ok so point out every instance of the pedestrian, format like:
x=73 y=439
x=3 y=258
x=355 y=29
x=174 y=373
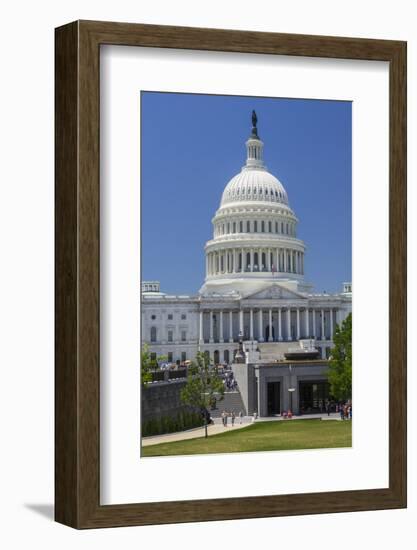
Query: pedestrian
x=223 y=421
x=226 y=414
x=342 y=412
x=233 y=418
x=240 y=417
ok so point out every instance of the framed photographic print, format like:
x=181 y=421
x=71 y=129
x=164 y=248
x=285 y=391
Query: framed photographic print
x=230 y=274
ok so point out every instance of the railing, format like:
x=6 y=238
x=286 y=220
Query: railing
x=168 y=374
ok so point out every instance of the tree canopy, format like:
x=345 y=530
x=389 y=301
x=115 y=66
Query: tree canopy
x=204 y=386
x=340 y=363
x=147 y=364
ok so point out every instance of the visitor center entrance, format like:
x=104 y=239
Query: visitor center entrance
x=274 y=398
x=313 y=396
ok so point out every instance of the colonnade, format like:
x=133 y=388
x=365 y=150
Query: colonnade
x=254 y=259
x=269 y=324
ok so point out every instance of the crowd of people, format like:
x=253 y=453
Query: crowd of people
x=345 y=410
x=231 y=414
x=229 y=381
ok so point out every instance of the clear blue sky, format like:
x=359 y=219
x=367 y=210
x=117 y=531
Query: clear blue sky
x=192 y=145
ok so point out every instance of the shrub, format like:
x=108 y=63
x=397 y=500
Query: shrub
x=184 y=420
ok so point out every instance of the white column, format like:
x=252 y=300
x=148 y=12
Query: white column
x=270 y=326
x=243 y=259
x=331 y=324
x=221 y=327
x=307 y=327
x=251 y=323
x=314 y=323
x=201 y=327
x=207 y=264
x=298 y=323
x=235 y=260
x=211 y=326
x=230 y=326
x=268 y=259
x=279 y=325
x=241 y=322
x=285 y=259
x=323 y=337
x=260 y=327
x=289 y=324
x=251 y=259
x=338 y=321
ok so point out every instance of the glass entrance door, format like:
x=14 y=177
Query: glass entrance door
x=313 y=396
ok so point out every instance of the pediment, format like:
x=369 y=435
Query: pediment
x=275 y=292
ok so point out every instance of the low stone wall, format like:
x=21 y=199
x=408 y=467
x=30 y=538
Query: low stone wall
x=162 y=399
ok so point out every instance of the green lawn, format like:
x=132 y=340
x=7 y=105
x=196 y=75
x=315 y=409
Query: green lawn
x=263 y=436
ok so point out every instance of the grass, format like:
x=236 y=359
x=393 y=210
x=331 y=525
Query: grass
x=263 y=436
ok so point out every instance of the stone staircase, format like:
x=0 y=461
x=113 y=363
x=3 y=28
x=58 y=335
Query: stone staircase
x=232 y=401
x=271 y=351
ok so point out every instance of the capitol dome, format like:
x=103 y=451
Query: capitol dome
x=254 y=231
x=254 y=184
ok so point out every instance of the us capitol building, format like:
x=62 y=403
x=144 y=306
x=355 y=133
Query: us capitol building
x=255 y=293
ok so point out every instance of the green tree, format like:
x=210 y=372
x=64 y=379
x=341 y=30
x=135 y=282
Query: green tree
x=203 y=386
x=340 y=363
x=147 y=364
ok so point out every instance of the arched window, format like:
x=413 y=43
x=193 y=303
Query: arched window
x=262 y=227
x=255 y=226
x=234 y=227
x=276 y=227
x=226 y=356
x=241 y=227
x=270 y=227
x=153 y=334
x=248 y=227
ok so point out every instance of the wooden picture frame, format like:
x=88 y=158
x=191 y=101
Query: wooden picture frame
x=77 y=403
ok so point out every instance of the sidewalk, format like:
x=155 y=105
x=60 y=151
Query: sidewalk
x=323 y=416
x=212 y=429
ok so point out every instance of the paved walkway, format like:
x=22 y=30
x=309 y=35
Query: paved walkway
x=212 y=429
